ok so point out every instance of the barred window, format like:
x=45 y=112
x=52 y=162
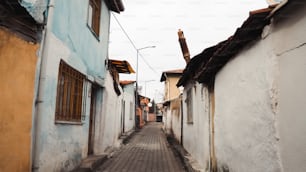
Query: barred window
x=94 y=11
x=69 y=94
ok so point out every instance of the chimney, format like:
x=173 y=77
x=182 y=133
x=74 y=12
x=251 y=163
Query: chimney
x=184 y=46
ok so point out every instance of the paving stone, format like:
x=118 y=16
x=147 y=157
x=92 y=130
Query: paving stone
x=147 y=151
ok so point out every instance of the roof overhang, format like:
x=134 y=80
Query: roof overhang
x=165 y=74
x=115 y=5
x=121 y=66
x=204 y=66
x=17 y=19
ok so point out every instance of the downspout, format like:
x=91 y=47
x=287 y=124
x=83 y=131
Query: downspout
x=213 y=160
x=39 y=98
x=182 y=119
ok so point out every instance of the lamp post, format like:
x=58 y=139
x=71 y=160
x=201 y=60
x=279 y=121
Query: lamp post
x=136 y=95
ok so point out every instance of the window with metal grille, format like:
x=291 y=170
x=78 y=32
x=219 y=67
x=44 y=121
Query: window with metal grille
x=94 y=11
x=69 y=98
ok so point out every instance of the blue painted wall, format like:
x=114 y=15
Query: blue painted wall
x=70 y=26
x=61 y=147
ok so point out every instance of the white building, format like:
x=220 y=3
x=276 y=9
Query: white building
x=248 y=93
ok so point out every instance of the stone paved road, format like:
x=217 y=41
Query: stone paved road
x=147 y=151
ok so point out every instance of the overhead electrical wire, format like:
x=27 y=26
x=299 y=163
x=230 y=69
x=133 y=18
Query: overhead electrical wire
x=133 y=44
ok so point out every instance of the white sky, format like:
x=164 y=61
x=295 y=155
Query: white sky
x=155 y=23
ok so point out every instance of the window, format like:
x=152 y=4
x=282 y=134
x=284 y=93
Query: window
x=189 y=107
x=69 y=94
x=94 y=11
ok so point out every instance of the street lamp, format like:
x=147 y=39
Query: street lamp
x=136 y=98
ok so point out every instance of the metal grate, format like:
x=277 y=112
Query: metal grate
x=69 y=94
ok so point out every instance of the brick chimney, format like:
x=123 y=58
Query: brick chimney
x=184 y=46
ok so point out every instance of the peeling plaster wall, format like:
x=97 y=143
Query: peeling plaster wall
x=196 y=135
x=290 y=47
x=18 y=60
x=58 y=146
x=129 y=98
x=175 y=107
x=260 y=107
x=61 y=147
x=246 y=94
x=36 y=8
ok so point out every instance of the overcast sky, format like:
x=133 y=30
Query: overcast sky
x=155 y=23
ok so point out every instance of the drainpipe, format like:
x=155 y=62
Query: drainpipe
x=211 y=119
x=182 y=119
x=39 y=85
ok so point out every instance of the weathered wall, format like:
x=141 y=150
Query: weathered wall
x=129 y=98
x=245 y=111
x=111 y=117
x=167 y=120
x=290 y=49
x=175 y=107
x=17 y=78
x=259 y=104
x=196 y=134
x=63 y=146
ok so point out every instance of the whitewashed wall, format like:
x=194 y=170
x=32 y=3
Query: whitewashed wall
x=167 y=120
x=175 y=107
x=290 y=49
x=244 y=119
x=129 y=98
x=196 y=135
x=110 y=128
x=260 y=107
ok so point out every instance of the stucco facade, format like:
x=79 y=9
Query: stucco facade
x=196 y=132
x=18 y=59
x=128 y=113
x=255 y=101
x=259 y=102
x=68 y=38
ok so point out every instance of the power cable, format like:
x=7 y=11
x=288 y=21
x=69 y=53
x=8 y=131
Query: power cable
x=133 y=44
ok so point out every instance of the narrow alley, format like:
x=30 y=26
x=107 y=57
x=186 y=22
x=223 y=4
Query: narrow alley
x=148 y=150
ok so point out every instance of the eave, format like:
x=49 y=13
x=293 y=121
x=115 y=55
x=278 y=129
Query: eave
x=204 y=66
x=115 y=5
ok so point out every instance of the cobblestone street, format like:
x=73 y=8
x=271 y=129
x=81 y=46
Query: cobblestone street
x=147 y=151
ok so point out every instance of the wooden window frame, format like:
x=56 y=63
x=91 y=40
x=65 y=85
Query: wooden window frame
x=70 y=93
x=94 y=15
